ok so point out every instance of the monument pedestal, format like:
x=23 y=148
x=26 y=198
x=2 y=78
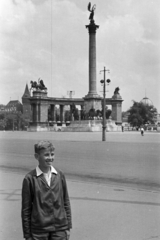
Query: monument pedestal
x=111 y=126
x=84 y=126
x=91 y=126
x=92 y=103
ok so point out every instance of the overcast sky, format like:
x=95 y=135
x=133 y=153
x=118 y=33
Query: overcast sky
x=48 y=39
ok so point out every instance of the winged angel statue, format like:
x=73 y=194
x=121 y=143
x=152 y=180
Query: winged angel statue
x=91 y=10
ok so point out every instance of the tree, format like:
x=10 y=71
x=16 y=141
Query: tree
x=13 y=121
x=141 y=113
x=2 y=121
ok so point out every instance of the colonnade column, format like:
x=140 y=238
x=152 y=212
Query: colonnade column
x=79 y=112
x=71 y=115
x=62 y=117
x=36 y=112
x=33 y=112
x=82 y=112
x=53 y=113
x=39 y=113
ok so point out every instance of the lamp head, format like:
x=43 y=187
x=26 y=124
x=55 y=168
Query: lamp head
x=102 y=81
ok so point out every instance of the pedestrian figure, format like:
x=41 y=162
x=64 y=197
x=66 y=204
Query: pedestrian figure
x=46 y=211
x=142 y=131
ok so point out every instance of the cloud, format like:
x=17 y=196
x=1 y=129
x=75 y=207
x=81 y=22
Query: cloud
x=48 y=39
x=15 y=14
x=129 y=40
x=148 y=14
x=37 y=42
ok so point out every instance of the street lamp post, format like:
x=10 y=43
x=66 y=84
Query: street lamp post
x=104 y=103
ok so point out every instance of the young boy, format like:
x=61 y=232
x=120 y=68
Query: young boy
x=46 y=212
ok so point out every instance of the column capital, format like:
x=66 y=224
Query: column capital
x=92 y=27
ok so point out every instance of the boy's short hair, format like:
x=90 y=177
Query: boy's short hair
x=41 y=145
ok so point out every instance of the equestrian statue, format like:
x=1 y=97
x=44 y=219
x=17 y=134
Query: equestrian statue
x=38 y=85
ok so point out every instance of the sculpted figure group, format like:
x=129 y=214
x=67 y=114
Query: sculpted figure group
x=38 y=85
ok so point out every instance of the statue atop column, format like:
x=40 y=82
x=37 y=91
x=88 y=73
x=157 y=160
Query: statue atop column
x=38 y=85
x=91 y=10
x=116 y=94
x=116 y=91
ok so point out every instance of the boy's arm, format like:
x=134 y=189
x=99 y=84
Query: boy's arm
x=67 y=205
x=26 y=208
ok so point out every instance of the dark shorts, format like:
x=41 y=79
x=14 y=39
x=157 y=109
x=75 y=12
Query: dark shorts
x=61 y=235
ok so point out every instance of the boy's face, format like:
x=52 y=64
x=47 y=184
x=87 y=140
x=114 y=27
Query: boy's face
x=45 y=158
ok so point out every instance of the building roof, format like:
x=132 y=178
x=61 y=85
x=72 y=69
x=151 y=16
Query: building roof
x=26 y=92
x=147 y=101
x=13 y=103
x=2 y=107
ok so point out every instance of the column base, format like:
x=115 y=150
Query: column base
x=92 y=96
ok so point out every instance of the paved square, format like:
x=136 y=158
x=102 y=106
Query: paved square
x=113 y=185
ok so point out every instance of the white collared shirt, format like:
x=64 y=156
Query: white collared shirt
x=46 y=175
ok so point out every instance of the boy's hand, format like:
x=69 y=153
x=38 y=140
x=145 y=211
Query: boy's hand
x=68 y=234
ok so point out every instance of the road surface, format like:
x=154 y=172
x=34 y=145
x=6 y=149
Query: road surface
x=114 y=185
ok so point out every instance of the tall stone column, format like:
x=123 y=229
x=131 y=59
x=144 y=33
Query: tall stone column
x=92 y=27
x=92 y=99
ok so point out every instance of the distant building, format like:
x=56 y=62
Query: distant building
x=2 y=108
x=147 y=101
x=13 y=106
x=157 y=119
